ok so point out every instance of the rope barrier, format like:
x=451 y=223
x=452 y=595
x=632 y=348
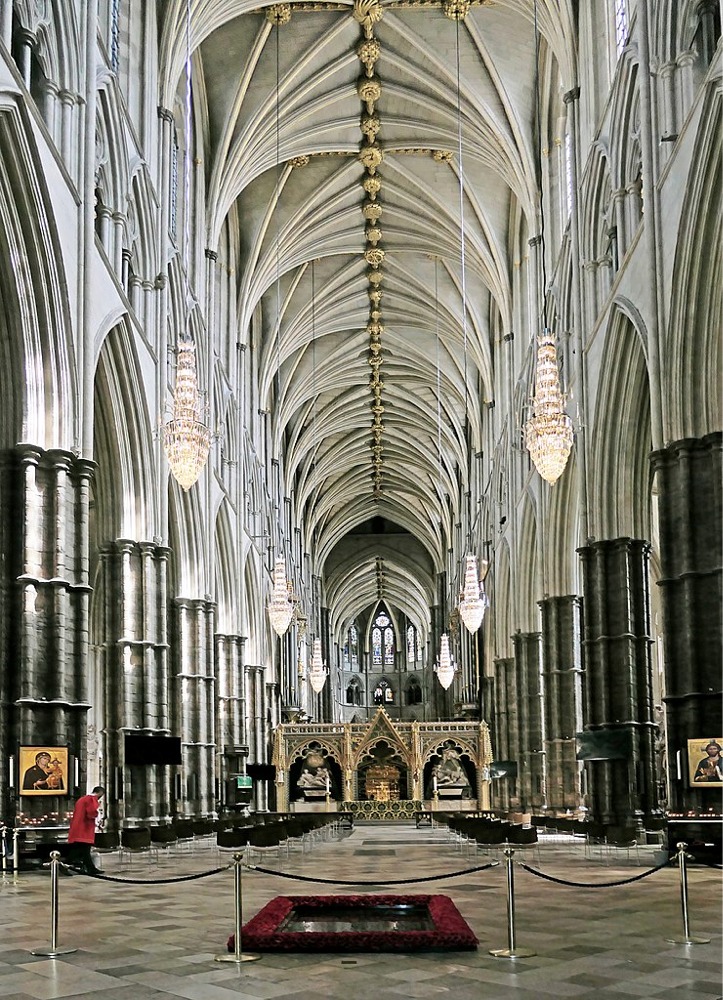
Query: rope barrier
x=592 y=885
x=402 y=881
x=147 y=881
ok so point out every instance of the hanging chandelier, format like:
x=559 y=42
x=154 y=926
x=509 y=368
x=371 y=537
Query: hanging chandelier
x=186 y=439
x=548 y=433
x=444 y=668
x=473 y=600
x=317 y=669
x=281 y=609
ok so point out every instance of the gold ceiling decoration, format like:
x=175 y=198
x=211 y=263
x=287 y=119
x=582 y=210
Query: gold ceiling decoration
x=369 y=88
x=278 y=14
x=372 y=212
x=442 y=155
x=367 y=13
x=456 y=10
x=299 y=161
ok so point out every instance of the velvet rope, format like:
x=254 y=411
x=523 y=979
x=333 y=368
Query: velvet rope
x=146 y=881
x=593 y=885
x=399 y=881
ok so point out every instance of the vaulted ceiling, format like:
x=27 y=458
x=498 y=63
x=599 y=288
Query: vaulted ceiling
x=308 y=121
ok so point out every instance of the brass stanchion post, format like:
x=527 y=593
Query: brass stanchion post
x=511 y=951
x=16 y=851
x=237 y=955
x=4 y=834
x=53 y=951
x=688 y=938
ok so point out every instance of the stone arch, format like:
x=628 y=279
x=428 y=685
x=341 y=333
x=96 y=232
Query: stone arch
x=694 y=346
x=501 y=602
x=36 y=353
x=122 y=446
x=620 y=442
x=226 y=569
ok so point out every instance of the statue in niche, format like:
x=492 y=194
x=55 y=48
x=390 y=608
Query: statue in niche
x=448 y=776
x=315 y=778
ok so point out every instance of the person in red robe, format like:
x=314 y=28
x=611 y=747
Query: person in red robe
x=81 y=834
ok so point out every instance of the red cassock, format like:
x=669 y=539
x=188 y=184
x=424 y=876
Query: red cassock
x=82 y=825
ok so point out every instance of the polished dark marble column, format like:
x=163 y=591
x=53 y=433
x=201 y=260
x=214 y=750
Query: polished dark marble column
x=500 y=733
x=132 y=593
x=618 y=680
x=194 y=702
x=562 y=686
x=44 y=613
x=531 y=761
x=690 y=516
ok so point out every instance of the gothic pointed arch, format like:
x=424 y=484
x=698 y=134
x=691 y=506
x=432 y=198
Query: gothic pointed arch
x=619 y=468
x=694 y=342
x=37 y=359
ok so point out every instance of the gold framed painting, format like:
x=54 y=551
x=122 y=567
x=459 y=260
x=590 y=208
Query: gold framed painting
x=705 y=763
x=43 y=770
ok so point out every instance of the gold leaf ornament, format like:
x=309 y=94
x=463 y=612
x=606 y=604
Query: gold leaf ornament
x=367 y=13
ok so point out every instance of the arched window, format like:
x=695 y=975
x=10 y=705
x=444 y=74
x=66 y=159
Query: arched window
x=383 y=694
x=414 y=692
x=621 y=25
x=382 y=641
x=352 y=642
x=353 y=693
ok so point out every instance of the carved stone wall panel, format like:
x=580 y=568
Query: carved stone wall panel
x=350 y=744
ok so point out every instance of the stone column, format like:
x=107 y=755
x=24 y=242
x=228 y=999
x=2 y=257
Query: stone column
x=562 y=686
x=259 y=723
x=134 y=665
x=531 y=761
x=499 y=730
x=618 y=681
x=689 y=510
x=194 y=702
x=44 y=605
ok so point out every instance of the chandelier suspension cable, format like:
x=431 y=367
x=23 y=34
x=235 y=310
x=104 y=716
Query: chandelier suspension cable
x=463 y=256
x=281 y=608
x=538 y=126
x=445 y=666
x=473 y=600
x=187 y=166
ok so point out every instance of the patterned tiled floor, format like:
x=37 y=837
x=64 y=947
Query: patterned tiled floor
x=158 y=941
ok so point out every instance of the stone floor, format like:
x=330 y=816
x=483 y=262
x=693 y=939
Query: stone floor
x=137 y=942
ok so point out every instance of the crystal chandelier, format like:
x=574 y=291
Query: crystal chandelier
x=281 y=609
x=444 y=667
x=548 y=433
x=317 y=670
x=186 y=439
x=473 y=602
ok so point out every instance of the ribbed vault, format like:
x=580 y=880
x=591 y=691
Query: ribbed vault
x=285 y=158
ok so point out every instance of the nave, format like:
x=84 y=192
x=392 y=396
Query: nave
x=158 y=941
